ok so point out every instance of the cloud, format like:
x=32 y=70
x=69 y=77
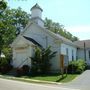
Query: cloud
x=77 y=29
x=82 y=32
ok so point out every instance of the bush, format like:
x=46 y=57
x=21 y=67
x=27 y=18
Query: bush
x=81 y=66
x=8 y=53
x=76 y=66
x=41 y=60
x=19 y=71
x=5 y=66
x=24 y=70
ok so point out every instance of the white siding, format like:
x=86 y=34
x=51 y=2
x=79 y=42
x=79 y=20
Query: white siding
x=40 y=36
x=87 y=56
x=45 y=40
x=64 y=48
x=81 y=55
x=22 y=57
x=21 y=51
x=36 y=13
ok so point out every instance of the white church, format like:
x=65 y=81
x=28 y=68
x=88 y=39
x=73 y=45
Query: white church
x=35 y=34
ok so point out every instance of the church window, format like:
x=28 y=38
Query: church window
x=72 y=55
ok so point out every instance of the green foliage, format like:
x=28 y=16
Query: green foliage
x=3 y=5
x=5 y=65
x=59 y=29
x=41 y=60
x=3 y=62
x=81 y=65
x=11 y=20
x=77 y=66
x=6 y=60
x=8 y=53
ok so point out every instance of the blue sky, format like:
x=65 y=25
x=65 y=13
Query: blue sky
x=73 y=14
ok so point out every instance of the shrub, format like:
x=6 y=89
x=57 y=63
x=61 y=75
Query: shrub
x=76 y=66
x=24 y=70
x=19 y=71
x=81 y=65
x=41 y=60
x=4 y=66
x=72 y=67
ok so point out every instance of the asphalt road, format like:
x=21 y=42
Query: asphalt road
x=82 y=82
x=17 y=85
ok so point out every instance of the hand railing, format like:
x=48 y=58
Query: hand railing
x=22 y=63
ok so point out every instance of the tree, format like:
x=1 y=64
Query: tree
x=41 y=60
x=3 y=6
x=59 y=29
x=11 y=20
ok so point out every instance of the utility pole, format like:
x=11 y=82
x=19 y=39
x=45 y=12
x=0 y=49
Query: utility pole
x=85 y=51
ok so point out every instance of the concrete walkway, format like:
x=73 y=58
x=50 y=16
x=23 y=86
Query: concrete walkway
x=82 y=82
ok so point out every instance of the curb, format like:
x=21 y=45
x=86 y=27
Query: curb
x=29 y=80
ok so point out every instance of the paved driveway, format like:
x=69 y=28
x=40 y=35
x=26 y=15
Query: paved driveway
x=82 y=82
x=17 y=85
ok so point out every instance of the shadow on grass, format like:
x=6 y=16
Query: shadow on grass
x=44 y=75
x=61 y=78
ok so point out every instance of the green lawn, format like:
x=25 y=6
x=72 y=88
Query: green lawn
x=54 y=78
x=51 y=78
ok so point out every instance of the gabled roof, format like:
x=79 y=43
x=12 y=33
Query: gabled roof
x=58 y=37
x=18 y=39
x=80 y=44
x=33 y=41
x=55 y=36
x=36 y=6
x=65 y=40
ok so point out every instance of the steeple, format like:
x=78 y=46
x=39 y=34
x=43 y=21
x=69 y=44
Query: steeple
x=36 y=6
x=36 y=15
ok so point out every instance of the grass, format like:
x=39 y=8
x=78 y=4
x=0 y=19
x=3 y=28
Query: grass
x=54 y=78
x=43 y=79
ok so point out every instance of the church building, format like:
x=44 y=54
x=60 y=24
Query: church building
x=35 y=34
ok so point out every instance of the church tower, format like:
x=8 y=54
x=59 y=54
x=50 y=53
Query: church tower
x=36 y=15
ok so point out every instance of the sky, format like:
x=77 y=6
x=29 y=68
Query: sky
x=73 y=14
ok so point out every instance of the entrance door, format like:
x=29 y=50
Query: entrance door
x=62 y=61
